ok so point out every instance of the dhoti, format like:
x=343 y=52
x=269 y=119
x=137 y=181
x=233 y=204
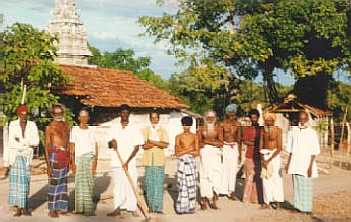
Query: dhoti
x=273 y=180
x=210 y=171
x=19 y=182
x=85 y=186
x=123 y=195
x=186 y=183
x=230 y=168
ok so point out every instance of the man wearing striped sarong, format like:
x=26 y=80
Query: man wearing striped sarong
x=23 y=137
x=58 y=158
x=303 y=147
x=84 y=152
x=187 y=148
x=156 y=140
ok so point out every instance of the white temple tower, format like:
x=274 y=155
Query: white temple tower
x=73 y=41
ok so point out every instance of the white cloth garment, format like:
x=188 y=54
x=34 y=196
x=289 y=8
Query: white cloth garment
x=25 y=144
x=302 y=144
x=123 y=195
x=210 y=170
x=84 y=141
x=127 y=138
x=273 y=190
x=229 y=168
x=153 y=133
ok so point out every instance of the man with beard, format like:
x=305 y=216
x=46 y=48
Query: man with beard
x=211 y=140
x=57 y=158
x=253 y=139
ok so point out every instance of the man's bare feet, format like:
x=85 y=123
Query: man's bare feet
x=213 y=205
x=264 y=206
x=232 y=196
x=26 y=212
x=17 y=212
x=53 y=214
x=115 y=213
x=204 y=203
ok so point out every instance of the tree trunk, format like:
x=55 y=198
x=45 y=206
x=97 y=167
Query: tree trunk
x=269 y=84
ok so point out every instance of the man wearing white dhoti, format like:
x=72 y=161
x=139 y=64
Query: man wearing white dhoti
x=127 y=140
x=23 y=137
x=211 y=140
x=273 y=192
x=303 y=147
x=231 y=151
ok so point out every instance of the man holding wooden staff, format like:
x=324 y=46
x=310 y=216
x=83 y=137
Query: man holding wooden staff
x=124 y=142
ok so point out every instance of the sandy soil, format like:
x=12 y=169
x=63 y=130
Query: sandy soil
x=332 y=201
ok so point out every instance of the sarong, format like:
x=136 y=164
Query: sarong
x=303 y=193
x=186 y=183
x=57 y=192
x=153 y=187
x=210 y=171
x=230 y=168
x=123 y=195
x=273 y=181
x=85 y=186
x=19 y=177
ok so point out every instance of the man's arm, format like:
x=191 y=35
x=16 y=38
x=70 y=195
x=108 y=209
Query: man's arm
x=159 y=144
x=72 y=157
x=132 y=155
x=96 y=158
x=47 y=147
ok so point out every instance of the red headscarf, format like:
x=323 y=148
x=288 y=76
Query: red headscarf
x=22 y=109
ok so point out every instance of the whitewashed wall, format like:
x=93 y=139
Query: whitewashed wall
x=170 y=121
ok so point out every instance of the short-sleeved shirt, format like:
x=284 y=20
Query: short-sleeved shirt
x=302 y=144
x=127 y=138
x=84 y=141
x=155 y=156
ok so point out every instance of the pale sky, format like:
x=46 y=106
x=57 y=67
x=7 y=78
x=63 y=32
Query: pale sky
x=110 y=24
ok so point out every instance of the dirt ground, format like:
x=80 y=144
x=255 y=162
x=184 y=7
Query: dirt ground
x=332 y=201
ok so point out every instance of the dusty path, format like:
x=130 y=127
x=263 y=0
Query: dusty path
x=332 y=202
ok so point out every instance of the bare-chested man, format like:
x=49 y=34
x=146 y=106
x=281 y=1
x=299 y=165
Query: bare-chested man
x=187 y=148
x=271 y=175
x=211 y=141
x=231 y=151
x=58 y=158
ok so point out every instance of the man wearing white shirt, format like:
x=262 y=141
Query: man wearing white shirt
x=303 y=147
x=125 y=139
x=84 y=155
x=23 y=137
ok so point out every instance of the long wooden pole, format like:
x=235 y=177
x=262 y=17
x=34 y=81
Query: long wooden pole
x=332 y=132
x=140 y=202
x=348 y=138
x=342 y=129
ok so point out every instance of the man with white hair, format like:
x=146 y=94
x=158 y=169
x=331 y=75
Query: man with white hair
x=231 y=151
x=303 y=147
x=271 y=162
x=211 y=141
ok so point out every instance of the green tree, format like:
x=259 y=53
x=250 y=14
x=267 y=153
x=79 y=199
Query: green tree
x=125 y=59
x=27 y=61
x=252 y=37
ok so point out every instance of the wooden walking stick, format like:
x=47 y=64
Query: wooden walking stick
x=140 y=201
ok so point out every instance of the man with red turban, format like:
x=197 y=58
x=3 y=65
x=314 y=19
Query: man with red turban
x=23 y=138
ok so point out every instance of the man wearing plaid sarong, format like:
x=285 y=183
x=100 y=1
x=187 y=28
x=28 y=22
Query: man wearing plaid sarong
x=23 y=137
x=84 y=150
x=303 y=147
x=156 y=140
x=187 y=147
x=57 y=157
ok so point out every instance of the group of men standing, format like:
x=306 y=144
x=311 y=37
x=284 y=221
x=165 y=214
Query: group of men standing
x=218 y=144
